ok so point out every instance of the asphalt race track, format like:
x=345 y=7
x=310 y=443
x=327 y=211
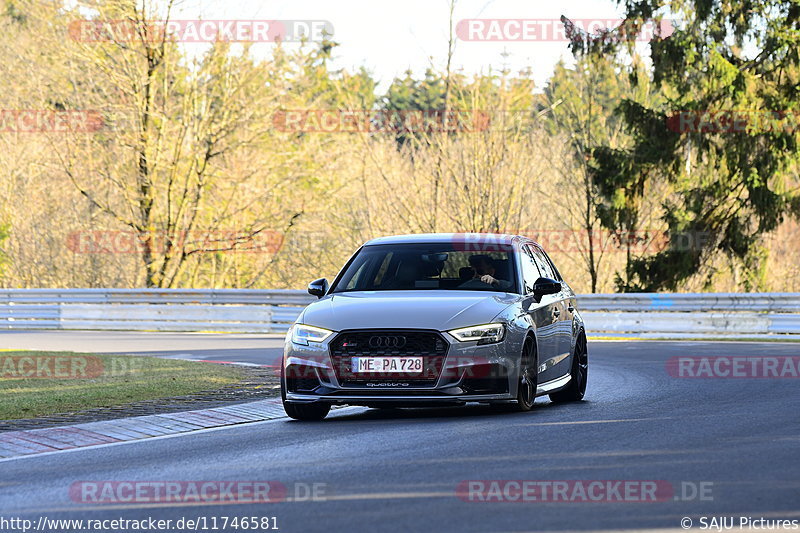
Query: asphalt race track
x=727 y=447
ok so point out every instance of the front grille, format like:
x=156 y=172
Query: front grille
x=428 y=344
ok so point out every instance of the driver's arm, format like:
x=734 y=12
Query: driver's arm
x=496 y=283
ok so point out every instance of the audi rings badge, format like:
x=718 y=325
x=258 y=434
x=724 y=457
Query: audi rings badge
x=387 y=341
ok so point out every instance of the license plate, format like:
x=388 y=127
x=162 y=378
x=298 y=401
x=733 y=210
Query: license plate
x=405 y=365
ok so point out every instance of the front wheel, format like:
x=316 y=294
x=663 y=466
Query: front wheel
x=302 y=411
x=578 y=375
x=308 y=411
x=528 y=377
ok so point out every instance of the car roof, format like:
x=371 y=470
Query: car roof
x=427 y=238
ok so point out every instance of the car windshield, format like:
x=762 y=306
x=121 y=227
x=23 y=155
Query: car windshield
x=398 y=267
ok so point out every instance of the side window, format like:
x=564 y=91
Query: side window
x=530 y=272
x=553 y=266
x=543 y=263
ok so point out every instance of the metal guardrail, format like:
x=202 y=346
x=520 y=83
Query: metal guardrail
x=693 y=314
x=273 y=311
x=764 y=302
x=235 y=310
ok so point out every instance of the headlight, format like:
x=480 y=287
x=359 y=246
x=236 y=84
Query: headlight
x=486 y=334
x=302 y=334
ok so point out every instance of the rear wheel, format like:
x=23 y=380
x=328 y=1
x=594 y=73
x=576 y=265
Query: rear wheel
x=528 y=377
x=578 y=375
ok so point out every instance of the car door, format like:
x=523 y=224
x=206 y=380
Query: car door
x=570 y=300
x=543 y=314
x=563 y=310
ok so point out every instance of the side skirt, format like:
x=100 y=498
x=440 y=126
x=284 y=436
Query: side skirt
x=554 y=384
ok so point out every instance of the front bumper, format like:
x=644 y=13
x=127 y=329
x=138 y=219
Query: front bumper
x=469 y=373
x=392 y=399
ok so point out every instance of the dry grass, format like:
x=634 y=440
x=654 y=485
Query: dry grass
x=93 y=380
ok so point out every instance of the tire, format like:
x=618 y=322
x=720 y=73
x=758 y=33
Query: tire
x=528 y=377
x=302 y=411
x=308 y=411
x=579 y=373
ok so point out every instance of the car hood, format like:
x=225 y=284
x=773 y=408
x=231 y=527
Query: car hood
x=440 y=310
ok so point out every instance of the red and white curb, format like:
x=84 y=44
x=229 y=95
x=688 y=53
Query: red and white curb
x=36 y=441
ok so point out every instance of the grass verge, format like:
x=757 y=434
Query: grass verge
x=35 y=384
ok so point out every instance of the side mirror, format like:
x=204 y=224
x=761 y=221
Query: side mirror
x=544 y=286
x=318 y=287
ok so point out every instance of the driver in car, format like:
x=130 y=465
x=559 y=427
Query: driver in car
x=485 y=273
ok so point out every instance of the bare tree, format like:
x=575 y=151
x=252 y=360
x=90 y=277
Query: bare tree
x=185 y=163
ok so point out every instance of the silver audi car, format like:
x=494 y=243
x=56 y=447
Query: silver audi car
x=437 y=319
